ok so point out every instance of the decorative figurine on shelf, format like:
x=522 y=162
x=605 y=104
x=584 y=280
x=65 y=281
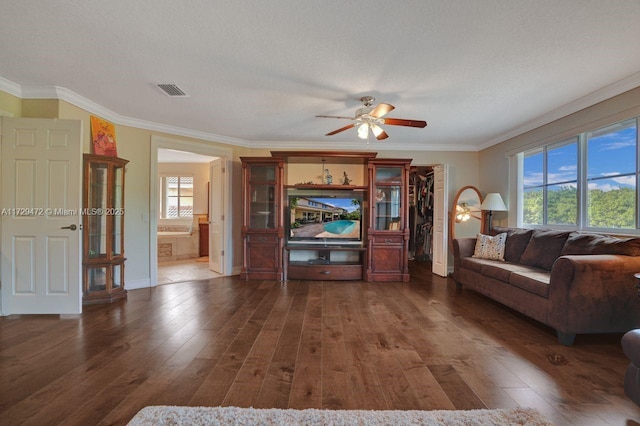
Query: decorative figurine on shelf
x=329 y=178
x=345 y=179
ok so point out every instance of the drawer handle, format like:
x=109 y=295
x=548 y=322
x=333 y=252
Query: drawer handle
x=263 y=239
x=387 y=240
x=326 y=272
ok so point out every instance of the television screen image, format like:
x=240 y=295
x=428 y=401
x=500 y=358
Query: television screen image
x=315 y=218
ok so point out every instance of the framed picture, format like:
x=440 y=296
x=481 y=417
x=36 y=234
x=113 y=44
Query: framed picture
x=394 y=226
x=103 y=137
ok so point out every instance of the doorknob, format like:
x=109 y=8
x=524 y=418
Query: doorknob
x=73 y=227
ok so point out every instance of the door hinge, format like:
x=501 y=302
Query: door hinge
x=222 y=217
x=222 y=253
x=224 y=170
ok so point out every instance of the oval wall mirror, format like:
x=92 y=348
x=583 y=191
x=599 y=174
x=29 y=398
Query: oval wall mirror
x=465 y=219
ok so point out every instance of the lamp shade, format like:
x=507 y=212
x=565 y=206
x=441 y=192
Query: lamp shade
x=363 y=131
x=493 y=202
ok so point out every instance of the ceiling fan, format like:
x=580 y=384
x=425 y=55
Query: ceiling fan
x=370 y=118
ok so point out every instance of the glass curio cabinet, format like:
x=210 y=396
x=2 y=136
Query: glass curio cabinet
x=388 y=229
x=103 y=229
x=262 y=227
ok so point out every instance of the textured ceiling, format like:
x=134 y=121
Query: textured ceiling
x=257 y=72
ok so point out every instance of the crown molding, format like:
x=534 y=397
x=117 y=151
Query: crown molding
x=10 y=87
x=64 y=94
x=607 y=92
x=181 y=131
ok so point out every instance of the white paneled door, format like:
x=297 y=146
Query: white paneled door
x=440 y=264
x=41 y=187
x=216 y=215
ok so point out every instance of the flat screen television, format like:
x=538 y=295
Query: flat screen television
x=328 y=217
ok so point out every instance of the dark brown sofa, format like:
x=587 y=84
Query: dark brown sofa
x=631 y=348
x=577 y=283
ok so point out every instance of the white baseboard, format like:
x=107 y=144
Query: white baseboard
x=236 y=270
x=136 y=284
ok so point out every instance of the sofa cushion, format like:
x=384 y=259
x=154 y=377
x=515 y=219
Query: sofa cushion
x=544 y=248
x=533 y=281
x=475 y=264
x=490 y=247
x=517 y=240
x=579 y=243
x=502 y=270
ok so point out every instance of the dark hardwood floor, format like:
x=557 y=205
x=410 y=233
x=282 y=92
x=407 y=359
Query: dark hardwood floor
x=300 y=344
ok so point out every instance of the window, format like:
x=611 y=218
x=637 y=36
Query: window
x=587 y=182
x=176 y=196
x=550 y=185
x=611 y=176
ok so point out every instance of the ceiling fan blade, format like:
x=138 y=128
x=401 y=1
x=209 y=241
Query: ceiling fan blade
x=342 y=129
x=403 y=122
x=333 y=116
x=382 y=135
x=381 y=110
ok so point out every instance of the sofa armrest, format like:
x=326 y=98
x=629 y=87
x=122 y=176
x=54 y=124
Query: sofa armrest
x=594 y=294
x=463 y=247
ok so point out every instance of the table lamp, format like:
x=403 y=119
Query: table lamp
x=493 y=203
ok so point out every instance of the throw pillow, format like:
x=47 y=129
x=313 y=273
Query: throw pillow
x=488 y=247
x=517 y=240
x=579 y=243
x=544 y=248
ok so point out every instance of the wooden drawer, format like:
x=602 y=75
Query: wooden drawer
x=388 y=239
x=325 y=272
x=262 y=238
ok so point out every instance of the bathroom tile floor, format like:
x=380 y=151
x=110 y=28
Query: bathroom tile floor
x=184 y=270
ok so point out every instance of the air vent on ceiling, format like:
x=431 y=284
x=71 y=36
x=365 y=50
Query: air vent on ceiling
x=171 y=89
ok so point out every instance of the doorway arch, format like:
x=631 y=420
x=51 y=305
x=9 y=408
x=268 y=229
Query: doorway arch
x=225 y=154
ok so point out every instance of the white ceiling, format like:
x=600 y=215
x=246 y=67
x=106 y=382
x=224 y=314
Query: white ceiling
x=257 y=72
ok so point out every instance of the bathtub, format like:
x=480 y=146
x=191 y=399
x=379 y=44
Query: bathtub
x=178 y=245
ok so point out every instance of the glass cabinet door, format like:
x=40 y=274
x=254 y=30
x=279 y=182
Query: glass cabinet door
x=388 y=198
x=117 y=280
x=389 y=175
x=118 y=211
x=263 y=206
x=97 y=203
x=263 y=173
x=97 y=279
x=262 y=196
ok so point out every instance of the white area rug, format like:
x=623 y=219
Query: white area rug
x=166 y=415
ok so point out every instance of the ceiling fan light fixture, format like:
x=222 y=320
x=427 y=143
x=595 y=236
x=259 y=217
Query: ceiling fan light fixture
x=363 y=131
x=464 y=213
x=377 y=130
x=370 y=118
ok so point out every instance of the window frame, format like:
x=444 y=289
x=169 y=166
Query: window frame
x=164 y=195
x=544 y=150
x=582 y=182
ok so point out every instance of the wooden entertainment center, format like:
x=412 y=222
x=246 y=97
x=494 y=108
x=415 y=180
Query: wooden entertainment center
x=377 y=245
